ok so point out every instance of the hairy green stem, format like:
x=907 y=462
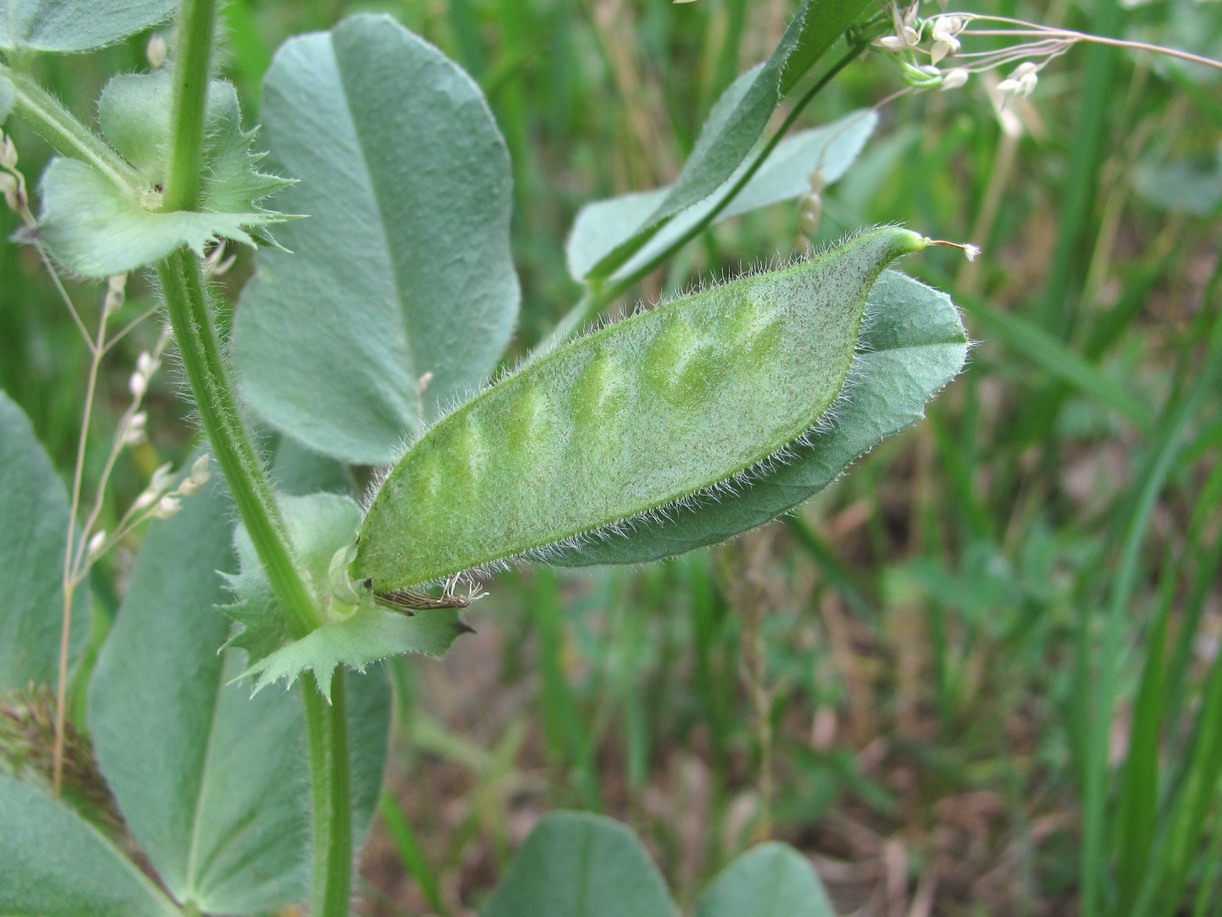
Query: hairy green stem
x=191 y=318
x=190 y=99
x=600 y=293
x=65 y=132
x=330 y=799
x=195 y=332
x=182 y=287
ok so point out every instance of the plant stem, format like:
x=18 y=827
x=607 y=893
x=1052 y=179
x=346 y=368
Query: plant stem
x=70 y=576
x=186 y=300
x=1034 y=29
x=329 y=790
x=190 y=99
x=64 y=131
x=199 y=345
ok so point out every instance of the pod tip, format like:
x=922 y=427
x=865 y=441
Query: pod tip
x=970 y=250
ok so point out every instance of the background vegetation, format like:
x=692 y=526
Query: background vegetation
x=978 y=675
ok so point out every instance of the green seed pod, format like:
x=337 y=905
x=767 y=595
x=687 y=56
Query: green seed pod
x=629 y=421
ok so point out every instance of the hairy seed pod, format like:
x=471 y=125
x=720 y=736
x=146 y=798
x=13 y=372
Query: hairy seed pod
x=627 y=421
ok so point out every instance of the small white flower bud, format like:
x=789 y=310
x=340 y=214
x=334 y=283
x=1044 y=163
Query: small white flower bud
x=906 y=35
x=157 y=486
x=1021 y=82
x=14 y=192
x=138 y=384
x=953 y=79
x=197 y=478
x=96 y=545
x=817 y=180
x=161 y=478
x=146 y=364
x=135 y=431
x=8 y=152
x=200 y=468
x=943 y=49
x=167 y=507
x=812 y=211
x=156 y=51
x=945 y=28
x=116 y=293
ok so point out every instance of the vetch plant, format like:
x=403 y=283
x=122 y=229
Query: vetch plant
x=371 y=322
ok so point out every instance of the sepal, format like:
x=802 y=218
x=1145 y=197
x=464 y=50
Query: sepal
x=97 y=228
x=355 y=631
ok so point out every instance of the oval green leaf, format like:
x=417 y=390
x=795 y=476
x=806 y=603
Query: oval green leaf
x=211 y=781
x=575 y=864
x=602 y=225
x=771 y=880
x=55 y=864
x=34 y=507
x=1192 y=186
x=401 y=294
x=76 y=25
x=632 y=421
